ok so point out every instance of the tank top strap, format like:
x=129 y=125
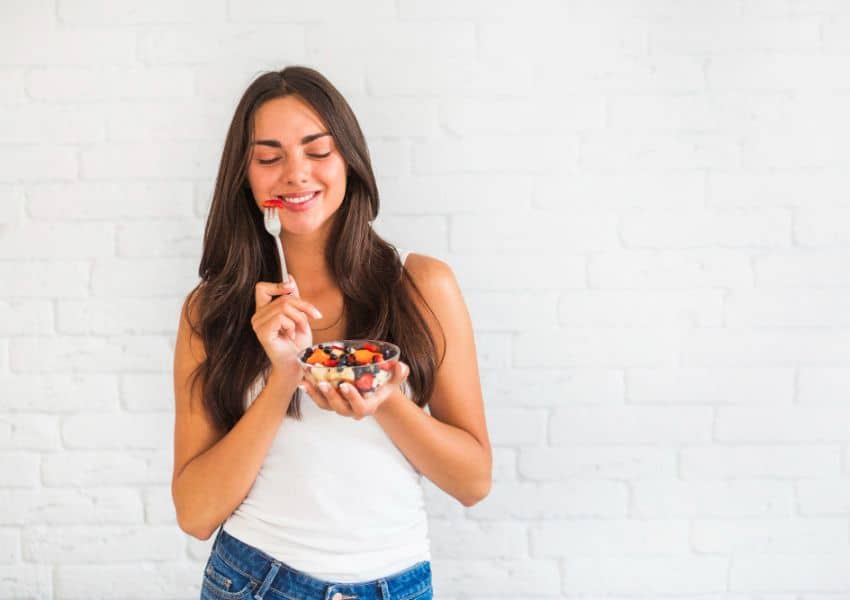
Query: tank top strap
x=403 y=255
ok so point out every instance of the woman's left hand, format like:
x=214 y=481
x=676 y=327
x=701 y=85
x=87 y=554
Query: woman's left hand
x=347 y=400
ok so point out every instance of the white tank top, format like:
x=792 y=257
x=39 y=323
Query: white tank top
x=335 y=498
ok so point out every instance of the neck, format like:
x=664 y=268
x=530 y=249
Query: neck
x=305 y=261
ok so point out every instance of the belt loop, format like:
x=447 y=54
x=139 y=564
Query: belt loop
x=267 y=582
x=384 y=588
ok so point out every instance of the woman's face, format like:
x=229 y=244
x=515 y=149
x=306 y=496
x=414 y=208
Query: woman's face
x=291 y=157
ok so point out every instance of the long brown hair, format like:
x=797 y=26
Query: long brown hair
x=237 y=253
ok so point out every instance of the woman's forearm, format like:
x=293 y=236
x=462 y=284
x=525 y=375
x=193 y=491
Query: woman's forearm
x=213 y=484
x=448 y=456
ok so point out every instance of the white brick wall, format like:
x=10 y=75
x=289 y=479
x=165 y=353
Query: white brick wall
x=646 y=202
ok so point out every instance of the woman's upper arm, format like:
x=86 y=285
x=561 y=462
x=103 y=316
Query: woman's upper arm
x=194 y=431
x=457 y=398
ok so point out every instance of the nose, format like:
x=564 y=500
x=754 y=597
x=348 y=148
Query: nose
x=296 y=168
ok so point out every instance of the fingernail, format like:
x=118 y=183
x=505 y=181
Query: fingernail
x=302 y=387
x=324 y=386
x=345 y=387
x=316 y=313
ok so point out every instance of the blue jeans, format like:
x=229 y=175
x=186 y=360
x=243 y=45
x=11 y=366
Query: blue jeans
x=237 y=571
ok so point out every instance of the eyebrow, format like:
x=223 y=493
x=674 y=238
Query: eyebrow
x=305 y=140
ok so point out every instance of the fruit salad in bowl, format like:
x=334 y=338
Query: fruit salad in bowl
x=365 y=364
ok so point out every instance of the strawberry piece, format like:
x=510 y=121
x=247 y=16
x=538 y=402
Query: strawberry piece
x=273 y=203
x=364 y=382
x=370 y=347
x=330 y=363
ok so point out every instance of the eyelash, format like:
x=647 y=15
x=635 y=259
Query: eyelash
x=268 y=162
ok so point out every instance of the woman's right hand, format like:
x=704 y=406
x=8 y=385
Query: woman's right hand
x=280 y=323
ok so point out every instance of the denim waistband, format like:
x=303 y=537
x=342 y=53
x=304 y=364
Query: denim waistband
x=270 y=573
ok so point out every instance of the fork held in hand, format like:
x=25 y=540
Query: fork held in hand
x=272 y=224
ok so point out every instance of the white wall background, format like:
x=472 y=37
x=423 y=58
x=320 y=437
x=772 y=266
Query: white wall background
x=647 y=205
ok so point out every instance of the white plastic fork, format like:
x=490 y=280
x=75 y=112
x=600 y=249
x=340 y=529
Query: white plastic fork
x=272 y=224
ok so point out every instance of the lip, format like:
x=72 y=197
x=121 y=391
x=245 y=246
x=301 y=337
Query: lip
x=303 y=205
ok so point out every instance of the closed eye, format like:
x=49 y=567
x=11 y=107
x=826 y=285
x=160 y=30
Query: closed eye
x=268 y=162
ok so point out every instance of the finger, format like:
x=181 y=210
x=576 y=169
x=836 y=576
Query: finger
x=314 y=394
x=265 y=291
x=360 y=405
x=280 y=302
x=337 y=402
x=400 y=373
x=269 y=328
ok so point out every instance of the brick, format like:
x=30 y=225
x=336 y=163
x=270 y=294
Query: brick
x=781 y=308
x=174 y=160
x=84 y=544
x=107 y=201
x=765 y=229
x=471 y=540
x=824 y=497
x=823 y=385
x=483 y=153
x=647 y=574
x=191 y=44
x=819 y=268
x=551 y=387
x=621 y=191
x=71 y=507
x=742 y=347
x=711 y=386
x=445 y=40
x=105 y=316
x=29 y=432
x=144 y=277
x=394 y=118
x=22 y=317
x=509 y=427
x=161 y=238
x=105 y=467
x=125 y=83
x=67 y=47
x=596 y=462
x=118 y=430
x=390 y=157
x=597 y=347
x=751 y=498
x=803 y=536
x=466 y=78
x=548 y=501
x=774 y=572
x=159 y=506
x=184 y=120
x=593 y=425
x=663 y=151
x=172 y=579
x=518 y=117
x=19 y=469
x=817 y=228
x=752 y=72
x=609 y=537
x=269 y=11
x=459 y=193
x=145 y=392
x=823 y=187
x=502 y=578
x=101 y=355
x=26 y=163
x=531 y=233
x=61 y=124
x=669 y=269
x=427 y=234
x=60 y=393
x=642 y=308
x=511 y=311
x=58 y=240
x=783 y=424
x=775 y=461
x=92 y=12
x=27 y=581
x=736 y=36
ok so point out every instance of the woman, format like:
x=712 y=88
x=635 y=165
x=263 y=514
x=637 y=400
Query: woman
x=316 y=493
